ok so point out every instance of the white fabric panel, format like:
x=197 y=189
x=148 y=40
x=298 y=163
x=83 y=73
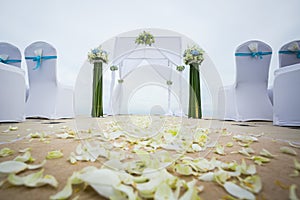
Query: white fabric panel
x=166 y=74
x=127 y=66
x=247 y=99
x=12 y=52
x=286 y=96
x=112 y=86
x=135 y=82
x=288 y=59
x=12 y=94
x=47 y=98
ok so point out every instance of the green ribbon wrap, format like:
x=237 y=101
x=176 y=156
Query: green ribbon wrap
x=195 y=92
x=97 y=104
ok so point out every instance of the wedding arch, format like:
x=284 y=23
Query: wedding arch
x=163 y=57
x=133 y=67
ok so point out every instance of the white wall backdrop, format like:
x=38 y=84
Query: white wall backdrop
x=219 y=26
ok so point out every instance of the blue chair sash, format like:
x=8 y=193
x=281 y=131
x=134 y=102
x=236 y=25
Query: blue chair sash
x=38 y=60
x=9 y=61
x=258 y=54
x=291 y=52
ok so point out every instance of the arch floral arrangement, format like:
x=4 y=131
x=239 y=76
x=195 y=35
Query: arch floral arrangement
x=145 y=38
x=194 y=56
x=97 y=56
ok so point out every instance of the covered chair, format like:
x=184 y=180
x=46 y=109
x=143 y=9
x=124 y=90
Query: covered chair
x=247 y=99
x=286 y=92
x=10 y=54
x=289 y=54
x=12 y=84
x=12 y=93
x=47 y=97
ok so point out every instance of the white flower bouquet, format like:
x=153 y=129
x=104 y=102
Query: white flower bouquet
x=192 y=55
x=97 y=54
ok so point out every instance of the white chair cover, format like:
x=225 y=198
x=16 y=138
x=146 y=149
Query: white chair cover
x=247 y=99
x=12 y=94
x=12 y=53
x=286 y=93
x=289 y=54
x=47 y=98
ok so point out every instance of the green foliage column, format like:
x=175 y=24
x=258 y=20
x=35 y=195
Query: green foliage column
x=97 y=105
x=195 y=92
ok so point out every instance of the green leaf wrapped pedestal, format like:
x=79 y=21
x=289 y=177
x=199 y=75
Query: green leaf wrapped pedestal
x=97 y=104
x=195 y=93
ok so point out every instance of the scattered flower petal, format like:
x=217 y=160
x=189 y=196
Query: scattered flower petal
x=209 y=176
x=297 y=164
x=6 y=152
x=65 y=135
x=252 y=183
x=54 y=154
x=295 y=173
x=292 y=194
x=25 y=150
x=245 y=138
x=33 y=180
x=288 y=150
x=260 y=160
x=229 y=144
x=266 y=154
x=26 y=157
x=237 y=191
x=246 y=151
x=37 y=166
x=8 y=167
x=164 y=191
x=13 y=128
x=183 y=169
x=220 y=150
x=191 y=192
x=294 y=144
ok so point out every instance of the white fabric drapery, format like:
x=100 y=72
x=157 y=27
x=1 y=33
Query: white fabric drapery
x=128 y=56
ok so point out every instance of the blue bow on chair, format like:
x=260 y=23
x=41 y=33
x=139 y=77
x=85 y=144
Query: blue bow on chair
x=258 y=54
x=3 y=59
x=38 y=59
x=297 y=52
